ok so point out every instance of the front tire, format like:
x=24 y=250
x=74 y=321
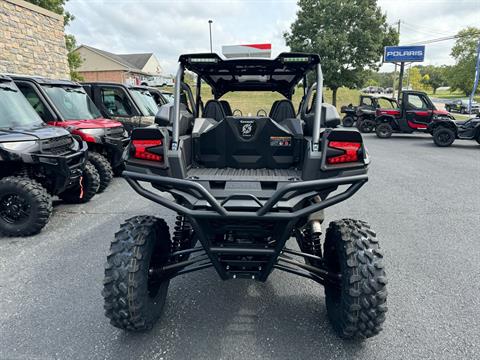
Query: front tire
x=25 y=206
x=384 y=130
x=85 y=190
x=357 y=307
x=443 y=136
x=134 y=297
x=103 y=168
x=348 y=121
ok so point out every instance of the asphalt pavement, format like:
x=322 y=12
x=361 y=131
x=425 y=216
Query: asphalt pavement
x=423 y=201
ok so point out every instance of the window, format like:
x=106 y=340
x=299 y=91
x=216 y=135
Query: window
x=366 y=101
x=72 y=102
x=116 y=102
x=415 y=102
x=34 y=100
x=386 y=104
x=15 y=110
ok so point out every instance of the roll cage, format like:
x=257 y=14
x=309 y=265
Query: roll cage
x=280 y=75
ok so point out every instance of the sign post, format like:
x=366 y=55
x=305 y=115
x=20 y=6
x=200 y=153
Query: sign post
x=401 y=55
x=477 y=77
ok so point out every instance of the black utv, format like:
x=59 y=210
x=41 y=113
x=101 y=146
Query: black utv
x=363 y=115
x=242 y=186
x=36 y=162
x=445 y=131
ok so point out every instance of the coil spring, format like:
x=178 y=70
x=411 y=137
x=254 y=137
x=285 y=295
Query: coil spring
x=182 y=234
x=312 y=243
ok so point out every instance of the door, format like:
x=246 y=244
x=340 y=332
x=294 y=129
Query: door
x=37 y=101
x=418 y=112
x=115 y=103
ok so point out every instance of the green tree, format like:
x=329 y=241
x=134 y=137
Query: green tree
x=58 y=7
x=461 y=75
x=349 y=36
x=433 y=76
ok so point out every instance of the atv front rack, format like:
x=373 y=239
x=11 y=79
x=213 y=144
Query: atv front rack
x=251 y=260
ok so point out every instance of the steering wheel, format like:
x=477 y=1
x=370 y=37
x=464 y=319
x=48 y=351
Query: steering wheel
x=259 y=112
x=237 y=112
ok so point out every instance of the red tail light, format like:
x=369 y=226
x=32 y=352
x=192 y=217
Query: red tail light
x=141 y=149
x=350 y=150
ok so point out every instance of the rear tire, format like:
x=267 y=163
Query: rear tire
x=84 y=191
x=443 y=136
x=117 y=171
x=103 y=168
x=384 y=130
x=134 y=299
x=357 y=307
x=348 y=121
x=366 y=126
x=25 y=206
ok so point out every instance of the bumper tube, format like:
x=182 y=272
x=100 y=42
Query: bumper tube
x=264 y=212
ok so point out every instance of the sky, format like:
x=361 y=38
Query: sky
x=170 y=28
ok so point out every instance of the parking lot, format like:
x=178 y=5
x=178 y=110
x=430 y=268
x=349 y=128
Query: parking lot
x=422 y=200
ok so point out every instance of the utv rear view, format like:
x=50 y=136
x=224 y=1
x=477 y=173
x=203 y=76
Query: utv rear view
x=242 y=186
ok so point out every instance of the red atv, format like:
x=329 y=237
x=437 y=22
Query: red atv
x=64 y=103
x=414 y=114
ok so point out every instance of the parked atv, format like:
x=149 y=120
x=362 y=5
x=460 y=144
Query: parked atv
x=133 y=106
x=65 y=104
x=242 y=187
x=363 y=115
x=445 y=132
x=36 y=162
x=415 y=113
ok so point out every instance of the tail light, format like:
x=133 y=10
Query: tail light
x=148 y=150
x=348 y=152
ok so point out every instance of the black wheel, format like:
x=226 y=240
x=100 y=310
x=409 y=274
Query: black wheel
x=478 y=138
x=463 y=110
x=447 y=108
x=103 y=168
x=366 y=126
x=134 y=291
x=25 y=206
x=443 y=136
x=348 y=121
x=356 y=308
x=85 y=189
x=384 y=130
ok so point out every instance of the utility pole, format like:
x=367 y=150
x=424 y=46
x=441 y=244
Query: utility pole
x=476 y=79
x=395 y=72
x=210 y=28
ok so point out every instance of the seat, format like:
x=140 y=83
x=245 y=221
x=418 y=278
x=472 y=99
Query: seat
x=226 y=107
x=273 y=108
x=214 y=110
x=282 y=110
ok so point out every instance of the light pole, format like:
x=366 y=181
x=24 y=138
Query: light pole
x=210 y=28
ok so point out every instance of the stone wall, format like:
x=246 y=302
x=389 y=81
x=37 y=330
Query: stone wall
x=32 y=40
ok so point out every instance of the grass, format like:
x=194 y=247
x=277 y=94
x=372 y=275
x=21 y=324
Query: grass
x=445 y=94
x=251 y=102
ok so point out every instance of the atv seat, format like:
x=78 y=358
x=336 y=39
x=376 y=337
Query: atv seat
x=214 y=110
x=246 y=143
x=226 y=107
x=281 y=110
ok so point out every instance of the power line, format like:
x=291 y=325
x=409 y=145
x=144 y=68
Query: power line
x=445 y=38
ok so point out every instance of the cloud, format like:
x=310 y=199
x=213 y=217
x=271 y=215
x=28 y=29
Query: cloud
x=170 y=28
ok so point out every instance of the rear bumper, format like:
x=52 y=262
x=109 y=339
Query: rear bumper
x=264 y=209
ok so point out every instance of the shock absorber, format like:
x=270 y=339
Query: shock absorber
x=314 y=231
x=182 y=234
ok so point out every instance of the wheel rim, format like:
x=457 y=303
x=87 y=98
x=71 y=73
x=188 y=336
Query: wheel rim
x=384 y=131
x=444 y=137
x=15 y=208
x=367 y=126
x=156 y=277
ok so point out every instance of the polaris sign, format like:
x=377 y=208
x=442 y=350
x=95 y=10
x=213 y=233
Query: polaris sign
x=404 y=53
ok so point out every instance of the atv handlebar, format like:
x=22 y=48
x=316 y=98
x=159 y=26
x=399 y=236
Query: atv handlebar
x=264 y=211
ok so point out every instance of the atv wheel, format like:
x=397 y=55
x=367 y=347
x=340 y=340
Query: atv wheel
x=384 y=130
x=103 y=168
x=25 y=206
x=133 y=291
x=447 y=108
x=347 y=121
x=356 y=308
x=443 y=136
x=366 y=126
x=85 y=189
x=478 y=138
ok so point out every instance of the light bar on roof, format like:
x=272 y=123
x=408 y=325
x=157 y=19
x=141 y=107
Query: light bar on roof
x=296 y=59
x=202 y=60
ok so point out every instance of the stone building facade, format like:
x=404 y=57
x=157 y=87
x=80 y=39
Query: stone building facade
x=32 y=40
